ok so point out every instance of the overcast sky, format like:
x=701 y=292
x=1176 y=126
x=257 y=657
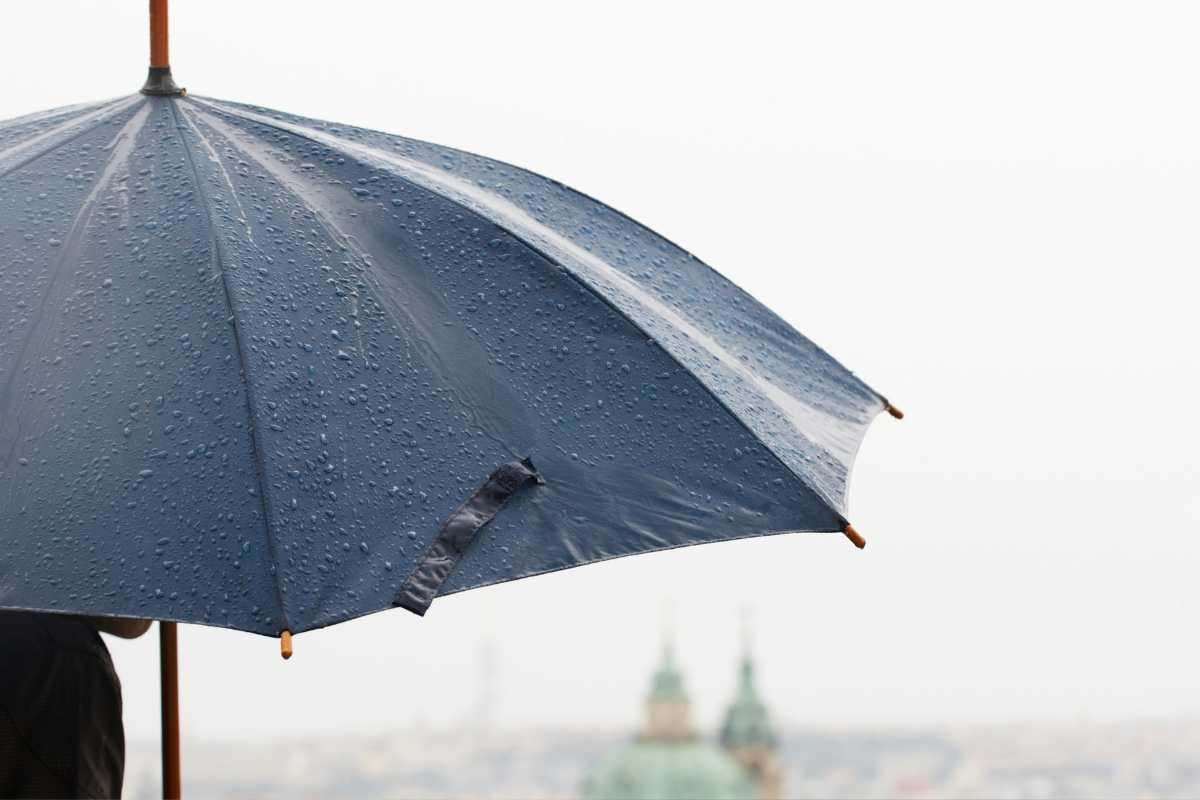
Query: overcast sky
x=989 y=211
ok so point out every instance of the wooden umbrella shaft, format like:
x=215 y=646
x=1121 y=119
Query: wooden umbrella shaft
x=158 y=78
x=159 y=50
x=169 y=672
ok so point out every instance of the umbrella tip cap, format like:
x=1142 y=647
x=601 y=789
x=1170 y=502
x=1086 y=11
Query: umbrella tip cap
x=854 y=536
x=895 y=412
x=285 y=645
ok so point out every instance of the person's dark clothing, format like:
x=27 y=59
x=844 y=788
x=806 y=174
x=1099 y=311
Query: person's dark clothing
x=61 y=733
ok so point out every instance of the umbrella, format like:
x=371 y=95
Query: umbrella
x=272 y=373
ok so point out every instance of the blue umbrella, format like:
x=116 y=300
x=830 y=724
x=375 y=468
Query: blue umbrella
x=272 y=373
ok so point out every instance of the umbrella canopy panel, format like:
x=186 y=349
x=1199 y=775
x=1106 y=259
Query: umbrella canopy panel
x=127 y=473
x=251 y=363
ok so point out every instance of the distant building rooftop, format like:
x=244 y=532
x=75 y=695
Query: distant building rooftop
x=668 y=760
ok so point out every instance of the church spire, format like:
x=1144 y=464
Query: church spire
x=668 y=710
x=667 y=683
x=747 y=732
x=747 y=722
x=747 y=674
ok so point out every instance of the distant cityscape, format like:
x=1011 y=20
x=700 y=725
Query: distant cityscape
x=750 y=756
x=1122 y=761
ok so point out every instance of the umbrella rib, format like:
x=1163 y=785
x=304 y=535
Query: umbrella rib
x=48 y=114
x=103 y=113
x=120 y=146
x=325 y=222
x=256 y=443
x=357 y=152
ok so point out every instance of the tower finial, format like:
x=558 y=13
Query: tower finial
x=668 y=714
x=668 y=632
x=747 y=670
x=746 y=614
x=746 y=731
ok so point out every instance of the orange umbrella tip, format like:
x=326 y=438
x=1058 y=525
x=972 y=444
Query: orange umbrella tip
x=285 y=645
x=891 y=409
x=854 y=536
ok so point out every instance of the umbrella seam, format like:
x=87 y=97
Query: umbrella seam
x=238 y=106
x=77 y=229
x=240 y=110
x=256 y=437
x=330 y=228
x=59 y=112
x=98 y=110
x=830 y=503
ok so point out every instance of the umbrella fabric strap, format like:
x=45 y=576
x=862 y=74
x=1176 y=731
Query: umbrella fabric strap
x=459 y=531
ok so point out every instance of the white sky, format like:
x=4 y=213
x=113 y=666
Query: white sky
x=989 y=211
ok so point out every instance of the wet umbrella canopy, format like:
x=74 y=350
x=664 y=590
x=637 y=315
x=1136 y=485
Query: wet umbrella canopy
x=272 y=373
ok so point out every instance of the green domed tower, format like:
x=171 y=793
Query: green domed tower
x=748 y=735
x=668 y=761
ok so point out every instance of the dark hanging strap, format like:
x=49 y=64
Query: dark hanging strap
x=458 y=532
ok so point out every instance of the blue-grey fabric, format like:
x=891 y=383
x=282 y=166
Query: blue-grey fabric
x=250 y=363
